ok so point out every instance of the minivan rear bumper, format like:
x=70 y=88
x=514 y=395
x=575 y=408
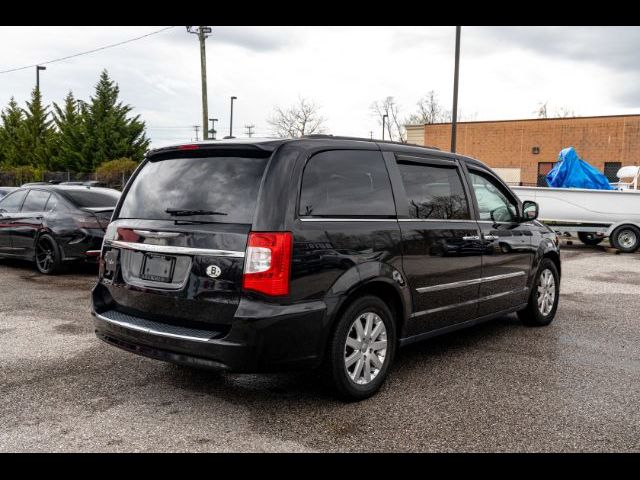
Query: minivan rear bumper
x=262 y=337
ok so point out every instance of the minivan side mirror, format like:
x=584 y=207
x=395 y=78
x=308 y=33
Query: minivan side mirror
x=529 y=211
x=501 y=214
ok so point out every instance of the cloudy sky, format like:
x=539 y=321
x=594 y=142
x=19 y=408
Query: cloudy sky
x=505 y=71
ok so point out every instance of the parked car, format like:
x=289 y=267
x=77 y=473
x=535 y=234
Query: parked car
x=203 y=263
x=4 y=191
x=54 y=224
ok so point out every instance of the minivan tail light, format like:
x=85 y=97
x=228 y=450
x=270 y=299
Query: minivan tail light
x=267 y=263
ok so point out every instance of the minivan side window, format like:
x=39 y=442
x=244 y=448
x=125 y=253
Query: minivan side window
x=12 y=202
x=493 y=203
x=346 y=183
x=434 y=191
x=36 y=201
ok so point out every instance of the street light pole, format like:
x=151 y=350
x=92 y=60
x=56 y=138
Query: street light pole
x=454 y=111
x=203 y=32
x=38 y=68
x=231 y=118
x=384 y=117
x=213 y=127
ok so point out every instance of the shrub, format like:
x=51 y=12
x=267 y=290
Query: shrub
x=116 y=172
x=16 y=176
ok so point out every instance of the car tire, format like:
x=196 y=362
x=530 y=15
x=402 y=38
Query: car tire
x=543 y=299
x=626 y=238
x=351 y=349
x=589 y=238
x=48 y=255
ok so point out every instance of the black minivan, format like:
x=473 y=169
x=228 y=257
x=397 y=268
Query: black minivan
x=320 y=252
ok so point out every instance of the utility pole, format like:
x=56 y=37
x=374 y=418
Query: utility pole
x=38 y=68
x=213 y=127
x=203 y=32
x=454 y=110
x=197 y=127
x=231 y=118
x=249 y=129
x=371 y=133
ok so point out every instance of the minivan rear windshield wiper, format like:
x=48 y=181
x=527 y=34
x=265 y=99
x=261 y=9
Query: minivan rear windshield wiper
x=178 y=212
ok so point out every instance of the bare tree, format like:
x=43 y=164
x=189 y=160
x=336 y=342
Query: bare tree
x=393 y=125
x=541 y=111
x=561 y=112
x=429 y=111
x=301 y=118
x=564 y=112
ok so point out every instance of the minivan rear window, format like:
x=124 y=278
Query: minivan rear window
x=218 y=189
x=346 y=183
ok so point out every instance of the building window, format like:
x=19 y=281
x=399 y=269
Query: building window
x=543 y=169
x=610 y=170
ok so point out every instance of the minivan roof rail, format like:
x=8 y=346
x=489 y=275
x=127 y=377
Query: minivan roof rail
x=364 y=139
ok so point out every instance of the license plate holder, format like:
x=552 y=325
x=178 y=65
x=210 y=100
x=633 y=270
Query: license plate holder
x=157 y=268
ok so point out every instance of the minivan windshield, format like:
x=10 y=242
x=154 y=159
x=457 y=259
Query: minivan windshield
x=212 y=189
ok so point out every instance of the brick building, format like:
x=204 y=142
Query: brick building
x=523 y=151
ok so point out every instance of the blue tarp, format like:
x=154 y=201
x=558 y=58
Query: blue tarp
x=572 y=172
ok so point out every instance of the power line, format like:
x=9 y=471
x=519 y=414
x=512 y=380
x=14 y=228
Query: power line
x=170 y=128
x=89 y=51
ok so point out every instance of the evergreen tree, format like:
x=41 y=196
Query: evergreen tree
x=71 y=136
x=37 y=133
x=11 y=152
x=110 y=133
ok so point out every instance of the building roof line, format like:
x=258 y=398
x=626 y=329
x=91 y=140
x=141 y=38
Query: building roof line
x=530 y=120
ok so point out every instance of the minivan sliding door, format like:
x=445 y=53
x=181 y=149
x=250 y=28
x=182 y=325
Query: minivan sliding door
x=346 y=231
x=441 y=248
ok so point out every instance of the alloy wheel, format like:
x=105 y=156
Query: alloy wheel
x=44 y=254
x=365 y=349
x=546 y=292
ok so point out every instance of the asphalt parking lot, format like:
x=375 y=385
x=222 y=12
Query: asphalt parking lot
x=573 y=386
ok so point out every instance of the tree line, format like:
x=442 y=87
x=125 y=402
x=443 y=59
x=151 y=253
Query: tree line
x=76 y=136
x=304 y=117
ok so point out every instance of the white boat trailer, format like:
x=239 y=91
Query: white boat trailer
x=592 y=214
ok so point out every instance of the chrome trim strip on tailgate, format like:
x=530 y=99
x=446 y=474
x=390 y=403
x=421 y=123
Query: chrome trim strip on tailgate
x=173 y=250
x=328 y=219
x=152 y=234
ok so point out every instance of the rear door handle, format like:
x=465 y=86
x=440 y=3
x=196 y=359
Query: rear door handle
x=471 y=237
